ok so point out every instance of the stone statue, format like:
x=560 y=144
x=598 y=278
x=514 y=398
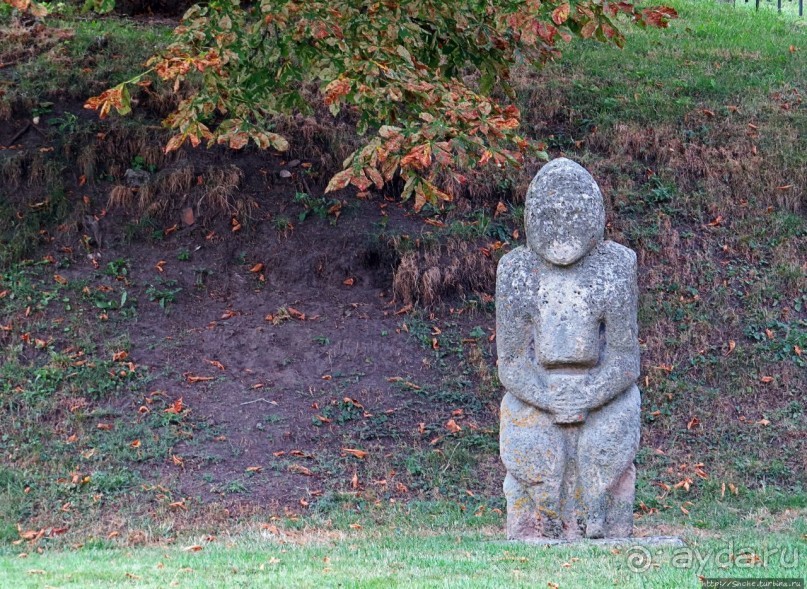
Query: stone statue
x=566 y=331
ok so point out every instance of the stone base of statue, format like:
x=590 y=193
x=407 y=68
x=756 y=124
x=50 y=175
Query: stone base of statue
x=644 y=541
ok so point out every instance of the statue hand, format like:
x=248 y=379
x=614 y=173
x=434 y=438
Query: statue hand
x=568 y=398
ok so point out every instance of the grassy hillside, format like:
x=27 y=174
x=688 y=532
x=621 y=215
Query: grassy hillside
x=698 y=138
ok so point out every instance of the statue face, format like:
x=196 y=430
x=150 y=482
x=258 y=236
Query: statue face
x=564 y=216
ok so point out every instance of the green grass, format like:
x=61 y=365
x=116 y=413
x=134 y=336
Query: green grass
x=713 y=56
x=420 y=545
x=69 y=448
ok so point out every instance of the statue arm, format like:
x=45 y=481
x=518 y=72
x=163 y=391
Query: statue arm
x=518 y=372
x=619 y=367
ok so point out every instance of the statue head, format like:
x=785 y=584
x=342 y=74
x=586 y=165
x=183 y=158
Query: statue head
x=564 y=214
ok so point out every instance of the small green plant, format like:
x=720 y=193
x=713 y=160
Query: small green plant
x=42 y=108
x=283 y=224
x=65 y=124
x=322 y=340
x=322 y=207
x=183 y=255
x=164 y=294
x=139 y=163
x=118 y=267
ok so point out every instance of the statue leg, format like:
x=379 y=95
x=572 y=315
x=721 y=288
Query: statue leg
x=533 y=451
x=605 y=452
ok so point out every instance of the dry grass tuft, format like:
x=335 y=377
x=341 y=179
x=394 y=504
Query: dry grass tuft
x=120 y=197
x=12 y=169
x=210 y=192
x=435 y=272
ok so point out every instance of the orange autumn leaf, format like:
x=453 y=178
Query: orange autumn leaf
x=192 y=378
x=216 y=364
x=561 y=14
x=300 y=469
x=452 y=426
x=257 y=268
x=176 y=407
x=296 y=314
x=360 y=454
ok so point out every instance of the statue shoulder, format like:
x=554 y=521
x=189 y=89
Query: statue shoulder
x=517 y=276
x=515 y=262
x=617 y=255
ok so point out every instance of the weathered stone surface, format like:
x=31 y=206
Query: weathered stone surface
x=566 y=332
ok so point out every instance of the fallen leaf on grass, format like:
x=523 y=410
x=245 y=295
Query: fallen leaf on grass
x=766 y=379
x=360 y=454
x=254 y=469
x=194 y=548
x=192 y=378
x=216 y=364
x=160 y=266
x=119 y=356
x=135 y=444
x=60 y=279
x=104 y=426
x=295 y=313
x=257 y=268
x=300 y=469
x=452 y=426
x=30 y=534
x=176 y=407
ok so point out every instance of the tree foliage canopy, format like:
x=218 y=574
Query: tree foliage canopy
x=427 y=81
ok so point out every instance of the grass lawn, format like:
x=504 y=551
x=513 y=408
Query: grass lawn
x=390 y=558
x=425 y=544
